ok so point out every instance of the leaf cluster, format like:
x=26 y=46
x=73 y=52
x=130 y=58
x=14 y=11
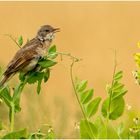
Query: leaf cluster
x=42 y=71
x=89 y=104
x=113 y=106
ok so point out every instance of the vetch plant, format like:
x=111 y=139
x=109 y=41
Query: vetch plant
x=88 y=105
x=112 y=107
x=99 y=116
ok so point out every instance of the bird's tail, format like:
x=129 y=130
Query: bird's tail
x=4 y=80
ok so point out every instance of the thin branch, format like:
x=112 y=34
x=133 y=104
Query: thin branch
x=68 y=54
x=65 y=54
x=14 y=40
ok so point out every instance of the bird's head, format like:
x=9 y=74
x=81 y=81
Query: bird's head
x=46 y=32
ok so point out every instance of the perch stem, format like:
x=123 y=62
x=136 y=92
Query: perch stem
x=82 y=109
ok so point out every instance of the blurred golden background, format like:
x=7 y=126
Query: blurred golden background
x=89 y=30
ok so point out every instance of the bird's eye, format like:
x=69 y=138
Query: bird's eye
x=47 y=30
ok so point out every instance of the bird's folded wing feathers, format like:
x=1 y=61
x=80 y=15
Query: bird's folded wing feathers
x=17 y=65
x=22 y=58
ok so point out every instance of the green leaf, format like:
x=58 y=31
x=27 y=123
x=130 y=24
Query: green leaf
x=116 y=108
x=52 y=49
x=86 y=96
x=37 y=76
x=16 y=97
x=20 y=134
x=20 y=41
x=39 y=86
x=117 y=86
x=52 y=52
x=81 y=85
x=47 y=63
x=53 y=55
x=92 y=107
x=105 y=106
x=101 y=128
x=34 y=77
x=17 y=91
x=113 y=106
x=21 y=76
x=46 y=75
x=5 y=95
x=117 y=90
x=118 y=75
x=119 y=94
x=87 y=130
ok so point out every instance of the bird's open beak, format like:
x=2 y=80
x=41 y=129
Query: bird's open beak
x=56 y=30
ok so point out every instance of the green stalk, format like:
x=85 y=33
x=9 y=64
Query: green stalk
x=82 y=109
x=12 y=117
x=12 y=114
x=2 y=88
x=110 y=95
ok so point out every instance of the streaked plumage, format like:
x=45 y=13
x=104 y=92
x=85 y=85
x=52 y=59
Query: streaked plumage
x=27 y=57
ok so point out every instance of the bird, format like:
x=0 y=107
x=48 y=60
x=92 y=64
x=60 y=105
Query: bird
x=27 y=57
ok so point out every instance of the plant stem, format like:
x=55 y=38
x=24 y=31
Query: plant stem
x=12 y=117
x=110 y=95
x=66 y=54
x=3 y=87
x=82 y=109
x=14 y=40
x=12 y=114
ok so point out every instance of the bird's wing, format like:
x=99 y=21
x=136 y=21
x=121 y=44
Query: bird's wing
x=22 y=57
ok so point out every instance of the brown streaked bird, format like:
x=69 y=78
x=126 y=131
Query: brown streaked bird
x=27 y=57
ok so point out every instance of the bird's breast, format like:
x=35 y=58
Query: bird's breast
x=43 y=50
x=30 y=66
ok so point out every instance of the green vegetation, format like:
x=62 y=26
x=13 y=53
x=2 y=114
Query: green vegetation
x=99 y=114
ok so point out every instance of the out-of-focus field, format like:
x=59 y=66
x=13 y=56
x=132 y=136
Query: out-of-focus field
x=89 y=30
